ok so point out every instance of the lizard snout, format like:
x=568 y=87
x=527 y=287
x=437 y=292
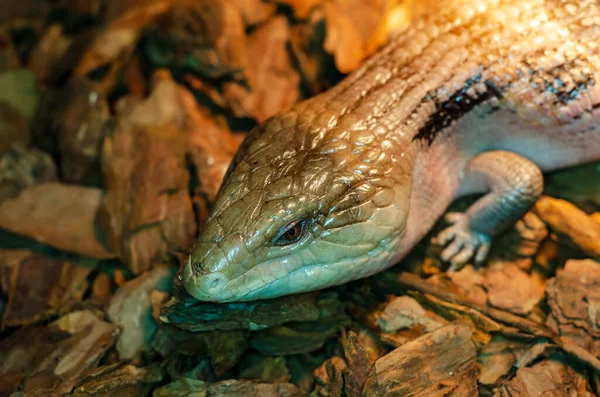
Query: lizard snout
x=205 y=287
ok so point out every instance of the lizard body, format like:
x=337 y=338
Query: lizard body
x=477 y=97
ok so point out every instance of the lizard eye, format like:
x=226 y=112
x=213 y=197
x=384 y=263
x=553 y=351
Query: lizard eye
x=291 y=233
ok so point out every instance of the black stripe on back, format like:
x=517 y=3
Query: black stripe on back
x=458 y=105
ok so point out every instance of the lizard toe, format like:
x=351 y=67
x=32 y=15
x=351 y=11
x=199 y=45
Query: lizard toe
x=463 y=244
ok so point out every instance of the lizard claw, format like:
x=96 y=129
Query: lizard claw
x=462 y=243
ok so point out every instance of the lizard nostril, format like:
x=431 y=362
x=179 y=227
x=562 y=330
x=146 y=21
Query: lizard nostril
x=215 y=283
x=203 y=284
x=211 y=283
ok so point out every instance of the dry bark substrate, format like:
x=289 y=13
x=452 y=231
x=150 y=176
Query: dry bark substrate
x=118 y=120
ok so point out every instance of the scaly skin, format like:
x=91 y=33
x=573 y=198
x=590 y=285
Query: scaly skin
x=472 y=98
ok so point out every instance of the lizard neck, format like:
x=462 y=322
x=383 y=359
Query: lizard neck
x=435 y=180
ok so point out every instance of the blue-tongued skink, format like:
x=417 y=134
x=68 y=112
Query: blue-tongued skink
x=480 y=96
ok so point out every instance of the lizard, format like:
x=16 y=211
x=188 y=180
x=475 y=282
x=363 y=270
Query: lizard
x=476 y=97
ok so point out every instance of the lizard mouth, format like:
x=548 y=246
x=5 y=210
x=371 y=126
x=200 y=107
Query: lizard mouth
x=280 y=286
x=214 y=287
x=285 y=275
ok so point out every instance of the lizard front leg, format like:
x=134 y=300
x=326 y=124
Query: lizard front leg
x=514 y=185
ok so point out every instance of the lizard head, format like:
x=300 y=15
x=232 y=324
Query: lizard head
x=300 y=209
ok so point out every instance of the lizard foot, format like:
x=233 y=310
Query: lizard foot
x=462 y=243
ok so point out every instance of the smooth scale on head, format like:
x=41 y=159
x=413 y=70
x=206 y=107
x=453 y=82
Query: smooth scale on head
x=301 y=208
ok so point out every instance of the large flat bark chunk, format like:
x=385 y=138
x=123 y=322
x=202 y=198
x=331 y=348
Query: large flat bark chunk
x=548 y=378
x=59 y=215
x=441 y=363
x=574 y=300
x=147 y=209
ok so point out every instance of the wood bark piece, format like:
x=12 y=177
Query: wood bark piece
x=405 y=312
x=521 y=241
x=182 y=387
x=147 y=210
x=147 y=100
x=313 y=62
x=58 y=373
x=356 y=29
x=208 y=37
x=498 y=360
x=518 y=326
x=116 y=42
x=50 y=359
x=304 y=336
x=329 y=377
x=212 y=147
x=512 y=289
x=264 y=369
x=255 y=87
x=571 y=224
x=185 y=351
x=80 y=120
x=413 y=282
x=294 y=339
x=22 y=167
x=227 y=388
x=574 y=300
x=470 y=284
x=102 y=287
x=119 y=380
x=273 y=84
x=301 y=370
x=48 y=51
x=447 y=356
x=358 y=368
x=190 y=314
x=548 y=378
x=38 y=286
x=482 y=326
x=63 y=216
x=369 y=339
x=254 y=12
x=131 y=309
x=23 y=351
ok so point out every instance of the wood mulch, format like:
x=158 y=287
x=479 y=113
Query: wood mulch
x=118 y=120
